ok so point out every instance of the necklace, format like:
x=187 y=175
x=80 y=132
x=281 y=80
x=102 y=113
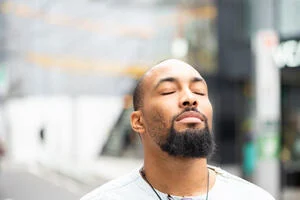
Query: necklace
x=142 y=172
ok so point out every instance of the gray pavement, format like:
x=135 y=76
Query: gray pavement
x=17 y=185
x=37 y=184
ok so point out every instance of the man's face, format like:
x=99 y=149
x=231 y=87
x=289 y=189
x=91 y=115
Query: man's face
x=176 y=110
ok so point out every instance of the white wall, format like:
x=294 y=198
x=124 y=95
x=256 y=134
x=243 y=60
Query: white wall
x=75 y=129
x=95 y=117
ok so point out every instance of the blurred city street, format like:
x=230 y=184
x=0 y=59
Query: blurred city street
x=33 y=183
x=36 y=181
x=21 y=185
x=68 y=70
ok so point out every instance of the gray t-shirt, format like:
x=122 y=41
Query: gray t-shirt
x=133 y=186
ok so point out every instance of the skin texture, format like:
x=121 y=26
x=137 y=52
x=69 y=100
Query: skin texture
x=170 y=88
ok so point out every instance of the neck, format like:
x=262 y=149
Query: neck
x=177 y=176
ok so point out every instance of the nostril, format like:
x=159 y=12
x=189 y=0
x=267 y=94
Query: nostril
x=186 y=103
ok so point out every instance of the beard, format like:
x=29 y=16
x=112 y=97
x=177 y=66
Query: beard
x=190 y=143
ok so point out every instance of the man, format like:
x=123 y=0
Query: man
x=173 y=116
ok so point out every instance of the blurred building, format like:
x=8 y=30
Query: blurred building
x=238 y=22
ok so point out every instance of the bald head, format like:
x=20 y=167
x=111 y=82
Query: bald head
x=169 y=63
x=160 y=68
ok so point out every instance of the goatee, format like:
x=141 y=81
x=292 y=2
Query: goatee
x=191 y=143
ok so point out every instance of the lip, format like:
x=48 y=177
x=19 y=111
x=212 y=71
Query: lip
x=190 y=117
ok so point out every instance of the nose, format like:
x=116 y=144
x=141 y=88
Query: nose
x=188 y=99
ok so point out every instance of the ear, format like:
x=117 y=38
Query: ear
x=137 y=123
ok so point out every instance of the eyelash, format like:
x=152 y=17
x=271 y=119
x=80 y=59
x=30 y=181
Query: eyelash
x=202 y=94
x=166 y=93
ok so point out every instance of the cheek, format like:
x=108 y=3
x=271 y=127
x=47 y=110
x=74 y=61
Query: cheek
x=156 y=117
x=209 y=114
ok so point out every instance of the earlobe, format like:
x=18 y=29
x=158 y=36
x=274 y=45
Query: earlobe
x=137 y=122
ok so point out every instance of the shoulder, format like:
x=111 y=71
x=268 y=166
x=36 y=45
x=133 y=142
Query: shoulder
x=238 y=186
x=114 y=189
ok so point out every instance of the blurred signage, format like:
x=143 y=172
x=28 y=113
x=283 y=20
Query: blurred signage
x=267 y=76
x=268 y=142
x=287 y=54
x=267 y=110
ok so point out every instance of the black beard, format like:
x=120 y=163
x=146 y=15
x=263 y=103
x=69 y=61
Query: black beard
x=191 y=143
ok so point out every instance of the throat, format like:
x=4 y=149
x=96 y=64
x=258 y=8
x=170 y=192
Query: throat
x=178 y=187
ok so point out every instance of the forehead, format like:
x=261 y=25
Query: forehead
x=175 y=69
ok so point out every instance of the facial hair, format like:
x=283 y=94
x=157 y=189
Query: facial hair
x=190 y=143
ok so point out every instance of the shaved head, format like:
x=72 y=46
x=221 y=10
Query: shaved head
x=139 y=89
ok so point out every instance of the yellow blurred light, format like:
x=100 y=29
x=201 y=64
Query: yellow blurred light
x=86 y=66
x=144 y=32
x=6 y=7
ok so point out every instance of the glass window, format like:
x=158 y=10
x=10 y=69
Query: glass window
x=289 y=16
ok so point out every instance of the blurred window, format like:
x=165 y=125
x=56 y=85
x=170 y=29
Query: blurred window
x=290 y=150
x=289 y=15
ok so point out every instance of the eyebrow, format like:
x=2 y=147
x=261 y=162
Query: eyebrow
x=198 y=79
x=168 y=79
x=172 y=79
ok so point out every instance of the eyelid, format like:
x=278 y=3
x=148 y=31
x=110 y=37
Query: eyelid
x=166 y=93
x=200 y=93
x=199 y=90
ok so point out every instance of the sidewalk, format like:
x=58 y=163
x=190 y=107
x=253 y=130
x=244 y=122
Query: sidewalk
x=99 y=171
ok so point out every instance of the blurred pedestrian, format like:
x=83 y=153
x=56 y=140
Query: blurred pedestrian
x=173 y=116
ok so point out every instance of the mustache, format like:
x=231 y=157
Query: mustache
x=191 y=109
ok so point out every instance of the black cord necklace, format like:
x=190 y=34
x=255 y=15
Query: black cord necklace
x=142 y=172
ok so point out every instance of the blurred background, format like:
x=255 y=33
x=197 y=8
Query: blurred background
x=68 y=69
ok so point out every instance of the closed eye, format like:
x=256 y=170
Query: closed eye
x=200 y=93
x=167 y=93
